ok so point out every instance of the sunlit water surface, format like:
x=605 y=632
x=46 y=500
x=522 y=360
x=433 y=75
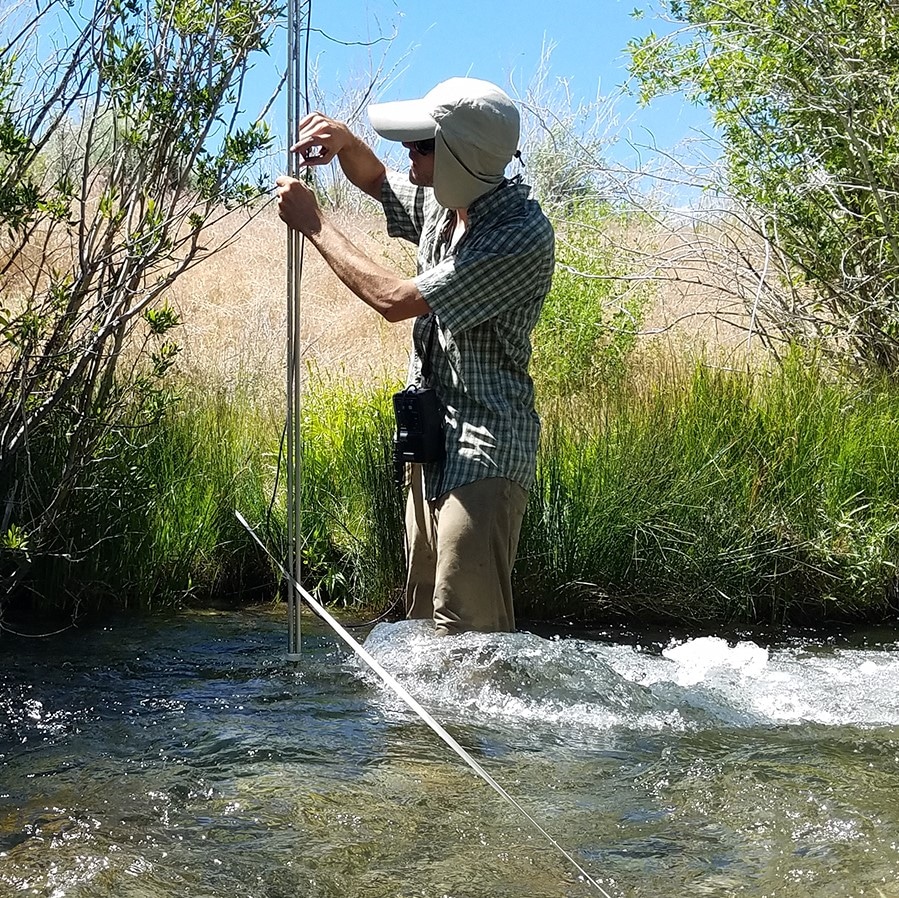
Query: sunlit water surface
x=188 y=758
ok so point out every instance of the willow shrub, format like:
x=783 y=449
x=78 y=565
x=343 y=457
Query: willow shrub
x=718 y=496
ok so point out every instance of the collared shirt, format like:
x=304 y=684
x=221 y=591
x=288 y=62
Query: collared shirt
x=485 y=295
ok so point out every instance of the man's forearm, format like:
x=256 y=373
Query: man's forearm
x=395 y=298
x=362 y=167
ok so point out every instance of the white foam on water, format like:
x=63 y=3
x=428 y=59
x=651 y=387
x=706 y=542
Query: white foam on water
x=697 y=658
x=518 y=679
x=575 y=686
x=858 y=687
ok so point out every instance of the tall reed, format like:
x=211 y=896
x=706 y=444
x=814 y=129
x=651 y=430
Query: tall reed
x=713 y=495
x=172 y=489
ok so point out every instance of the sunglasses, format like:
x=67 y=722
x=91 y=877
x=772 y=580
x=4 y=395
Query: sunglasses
x=424 y=147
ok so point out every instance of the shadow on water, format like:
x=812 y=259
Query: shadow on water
x=186 y=757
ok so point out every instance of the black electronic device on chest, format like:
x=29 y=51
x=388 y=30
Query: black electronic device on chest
x=419 y=423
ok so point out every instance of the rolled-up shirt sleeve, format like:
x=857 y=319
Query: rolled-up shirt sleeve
x=403 y=207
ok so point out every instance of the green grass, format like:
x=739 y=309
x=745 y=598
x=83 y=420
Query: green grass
x=691 y=495
x=591 y=318
x=152 y=524
x=719 y=496
x=169 y=494
x=352 y=509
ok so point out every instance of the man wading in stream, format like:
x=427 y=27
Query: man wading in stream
x=485 y=262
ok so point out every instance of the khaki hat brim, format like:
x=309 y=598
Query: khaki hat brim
x=403 y=120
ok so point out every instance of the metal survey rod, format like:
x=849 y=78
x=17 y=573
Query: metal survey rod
x=295 y=245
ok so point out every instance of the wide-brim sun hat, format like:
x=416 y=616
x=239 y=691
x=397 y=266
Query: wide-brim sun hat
x=475 y=126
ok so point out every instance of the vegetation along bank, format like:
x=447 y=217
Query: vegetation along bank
x=719 y=387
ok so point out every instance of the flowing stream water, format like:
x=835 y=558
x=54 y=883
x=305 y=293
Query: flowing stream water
x=186 y=757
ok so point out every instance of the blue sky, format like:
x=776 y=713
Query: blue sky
x=422 y=42
x=501 y=42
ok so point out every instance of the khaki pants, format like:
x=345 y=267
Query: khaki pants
x=461 y=550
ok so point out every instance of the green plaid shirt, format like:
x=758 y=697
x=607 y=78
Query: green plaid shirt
x=485 y=295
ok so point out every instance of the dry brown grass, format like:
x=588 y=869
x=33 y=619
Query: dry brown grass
x=233 y=307
x=702 y=287
x=234 y=310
